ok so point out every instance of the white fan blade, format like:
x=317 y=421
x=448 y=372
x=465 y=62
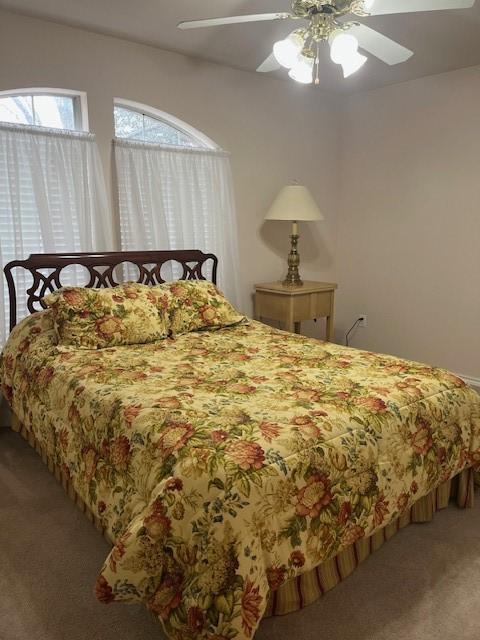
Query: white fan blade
x=270 y=64
x=379 y=45
x=384 y=7
x=214 y=22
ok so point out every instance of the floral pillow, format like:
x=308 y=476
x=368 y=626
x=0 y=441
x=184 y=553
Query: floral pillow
x=197 y=304
x=97 y=318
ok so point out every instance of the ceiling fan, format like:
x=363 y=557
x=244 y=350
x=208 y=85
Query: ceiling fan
x=299 y=52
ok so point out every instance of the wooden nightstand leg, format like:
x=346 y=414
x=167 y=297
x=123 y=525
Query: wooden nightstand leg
x=290 y=324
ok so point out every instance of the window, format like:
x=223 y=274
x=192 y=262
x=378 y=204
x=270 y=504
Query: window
x=52 y=193
x=52 y=108
x=176 y=193
x=135 y=121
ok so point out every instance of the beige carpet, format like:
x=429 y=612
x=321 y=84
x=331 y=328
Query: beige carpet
x=423 y=585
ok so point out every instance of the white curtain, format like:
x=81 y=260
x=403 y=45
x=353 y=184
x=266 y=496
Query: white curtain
x=172 y=198
x=52 y=199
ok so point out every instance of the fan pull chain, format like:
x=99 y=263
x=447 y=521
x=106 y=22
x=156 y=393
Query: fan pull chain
x=317 y=63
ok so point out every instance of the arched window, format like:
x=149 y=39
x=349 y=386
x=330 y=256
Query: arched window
x=175 y=190
x=52 y=108
x=135 y=121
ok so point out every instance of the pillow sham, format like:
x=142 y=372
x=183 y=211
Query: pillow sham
x=98 y=318
x=196 y=305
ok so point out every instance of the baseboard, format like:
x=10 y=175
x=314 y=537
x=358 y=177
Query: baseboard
x=473 y=382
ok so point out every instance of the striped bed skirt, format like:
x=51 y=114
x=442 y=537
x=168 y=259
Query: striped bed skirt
x=309 y=587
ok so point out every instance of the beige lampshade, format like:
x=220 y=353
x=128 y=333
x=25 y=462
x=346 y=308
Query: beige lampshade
x=294 y=203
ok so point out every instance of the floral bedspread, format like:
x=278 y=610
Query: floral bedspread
x=223 y=463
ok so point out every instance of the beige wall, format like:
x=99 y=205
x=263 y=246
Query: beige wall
x=265 y=123
x=409 y=220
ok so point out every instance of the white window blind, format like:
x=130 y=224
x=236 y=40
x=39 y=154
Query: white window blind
x=177 y=198
x=52 y=199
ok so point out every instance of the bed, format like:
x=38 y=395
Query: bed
x=240 y=472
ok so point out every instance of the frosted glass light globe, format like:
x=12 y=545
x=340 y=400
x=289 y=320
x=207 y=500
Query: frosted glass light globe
x=353 y=65
x=303 y=70
x=286 y=51
x=344 y=51
x=342 y=47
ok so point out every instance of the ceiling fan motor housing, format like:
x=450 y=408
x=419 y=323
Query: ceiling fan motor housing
x=309 y=8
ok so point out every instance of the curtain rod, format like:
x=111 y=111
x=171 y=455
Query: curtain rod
x=46 y=131
x=140 y=144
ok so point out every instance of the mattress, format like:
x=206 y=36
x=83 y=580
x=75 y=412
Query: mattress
x=223 y=464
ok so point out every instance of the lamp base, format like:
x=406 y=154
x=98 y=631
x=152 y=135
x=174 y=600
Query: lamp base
x=293 y=276
x=292 y=282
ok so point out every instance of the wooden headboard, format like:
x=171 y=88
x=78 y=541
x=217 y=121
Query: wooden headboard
x=46 y=271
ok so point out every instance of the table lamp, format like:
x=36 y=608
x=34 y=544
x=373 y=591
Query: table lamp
x=296 y=204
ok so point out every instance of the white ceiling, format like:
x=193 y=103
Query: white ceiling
x=442 y=40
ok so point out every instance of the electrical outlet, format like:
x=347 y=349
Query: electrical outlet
x=363 y=321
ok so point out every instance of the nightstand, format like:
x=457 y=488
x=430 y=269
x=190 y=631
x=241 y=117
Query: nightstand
x=293 y=305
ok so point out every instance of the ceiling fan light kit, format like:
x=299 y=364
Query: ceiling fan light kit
x=287 y=51
x=299 y=52
x=303 y=69
x=344 y=51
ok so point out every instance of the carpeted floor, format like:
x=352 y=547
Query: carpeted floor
x=423 y=585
